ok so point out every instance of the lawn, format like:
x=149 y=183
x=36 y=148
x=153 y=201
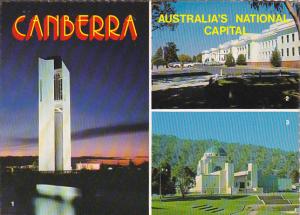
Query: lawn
x=274 y=210
x=265 y=92
x=292 y=197
x=237 y=204
x=277 y=209
x=195 y=204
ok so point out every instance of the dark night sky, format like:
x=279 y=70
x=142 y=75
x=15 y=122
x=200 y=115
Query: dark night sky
x=109 y=83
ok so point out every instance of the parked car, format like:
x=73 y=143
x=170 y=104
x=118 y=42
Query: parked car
x=188 y=65
x=175 y=64
x=179 y=64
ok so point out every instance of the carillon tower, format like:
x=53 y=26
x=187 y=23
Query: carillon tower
x=54 y=115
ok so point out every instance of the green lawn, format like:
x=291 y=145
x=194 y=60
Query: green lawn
x=192 y=204
x=266 y=92
x=293 y=197
x=195 y=204
x=275 y=210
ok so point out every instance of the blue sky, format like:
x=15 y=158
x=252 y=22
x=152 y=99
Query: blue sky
x=269 y=129
x=190 y=38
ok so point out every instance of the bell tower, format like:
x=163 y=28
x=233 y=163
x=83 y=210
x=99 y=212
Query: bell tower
x=54 y=115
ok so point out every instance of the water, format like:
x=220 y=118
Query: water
x=44 y=206
x=81 y=193
x=27 y=203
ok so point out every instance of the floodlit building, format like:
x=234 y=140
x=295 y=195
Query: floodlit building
x=258 y=48
x=54 y=115
x=88 y=166
x=215 y=175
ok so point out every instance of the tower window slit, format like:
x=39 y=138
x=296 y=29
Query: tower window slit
x=57 y=87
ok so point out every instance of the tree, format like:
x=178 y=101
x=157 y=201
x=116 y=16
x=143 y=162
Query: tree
x=294 y=175
x=187 y=153
x=184 y=58
x=161 y=180
x=131 y=164
x=229 y=60
x=276 y=58
x=158 y=53
x=194 y=58
x=157 y=59
x=171 y=52
x=158 y=62
x=162 y=7
x=241 y=60
x=199 y=58
x=185 y=178
x=292 y=6
x=35 y=164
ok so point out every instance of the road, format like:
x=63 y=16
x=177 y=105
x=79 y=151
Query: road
x=217 y=69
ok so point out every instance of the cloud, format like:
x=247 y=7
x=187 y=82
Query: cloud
x=104 y=131
x=90 y=133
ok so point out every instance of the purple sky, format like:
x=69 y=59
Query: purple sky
x=109 y=83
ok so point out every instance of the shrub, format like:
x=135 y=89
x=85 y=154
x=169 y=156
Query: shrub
x=229 y=60
x=241 y=60
x=158 y=62
x=276 y=58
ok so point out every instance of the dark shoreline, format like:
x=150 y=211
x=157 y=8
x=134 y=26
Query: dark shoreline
x=119 y=191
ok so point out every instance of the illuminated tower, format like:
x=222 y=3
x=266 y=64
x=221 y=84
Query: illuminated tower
x=54 y=115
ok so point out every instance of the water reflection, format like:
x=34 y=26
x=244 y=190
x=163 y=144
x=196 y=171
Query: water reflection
x=44 y=205
x=55 y=200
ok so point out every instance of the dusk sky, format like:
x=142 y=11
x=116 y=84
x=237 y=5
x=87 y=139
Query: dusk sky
x=268 y=129
x=190 y=38
x=109 y=83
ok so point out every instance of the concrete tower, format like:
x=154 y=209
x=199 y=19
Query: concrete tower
x=54 y=115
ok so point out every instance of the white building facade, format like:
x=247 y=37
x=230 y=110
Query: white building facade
x=258 y=48
x=54 y=116
x=88 y=166
x=215 y=175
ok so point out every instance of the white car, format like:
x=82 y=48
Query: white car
x=179 y=65
x=188 y=65
x=175 y=65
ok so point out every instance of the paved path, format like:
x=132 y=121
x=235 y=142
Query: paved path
x=253 y=212
x=217 y=69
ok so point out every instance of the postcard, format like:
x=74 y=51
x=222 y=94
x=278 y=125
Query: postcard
x=225 y=163
x=74 y=108
x=225 y=55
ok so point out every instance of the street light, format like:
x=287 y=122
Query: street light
x=161 y=170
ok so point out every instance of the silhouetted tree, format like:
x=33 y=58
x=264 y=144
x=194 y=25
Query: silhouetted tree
x=171 y=52
x=292 y=6
x=161 y=178
x=162 y=7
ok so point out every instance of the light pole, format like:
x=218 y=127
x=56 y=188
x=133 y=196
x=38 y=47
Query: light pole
x=161 y=170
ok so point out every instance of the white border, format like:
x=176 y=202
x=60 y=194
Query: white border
x=150 y=108
x=225 y=110
x=188 y=110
